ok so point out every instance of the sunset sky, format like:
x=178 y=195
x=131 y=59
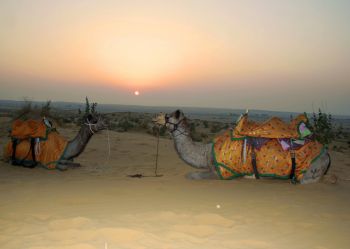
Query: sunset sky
x=274 y=54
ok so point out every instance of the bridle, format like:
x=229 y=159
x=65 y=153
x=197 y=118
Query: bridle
x=175 y=126
x=90 y=125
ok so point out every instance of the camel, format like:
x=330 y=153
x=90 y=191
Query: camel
x=201 y=156
x=64 y=152
x=76 y=146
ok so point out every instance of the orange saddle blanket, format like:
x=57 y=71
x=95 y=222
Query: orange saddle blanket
x=233 y=149
x=48 y=144
x=28 y=129
x=273 y=128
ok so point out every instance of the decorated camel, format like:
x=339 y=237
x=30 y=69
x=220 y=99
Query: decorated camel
x=37 y=142
x=270 y=149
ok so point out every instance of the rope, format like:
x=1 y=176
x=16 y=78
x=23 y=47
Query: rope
x=90 y=124
x=109 y=145
x=37 y=146
x=106 y=162
x=155 y=171
x=156 y=166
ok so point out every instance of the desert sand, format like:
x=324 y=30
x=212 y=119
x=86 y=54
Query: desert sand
x=97 y=206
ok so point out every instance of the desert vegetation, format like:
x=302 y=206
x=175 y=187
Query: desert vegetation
x=330 y=133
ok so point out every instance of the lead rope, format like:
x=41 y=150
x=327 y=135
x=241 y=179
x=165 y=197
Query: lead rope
x=109 y=145
x=155 y=171
x=106 y=163
x=156 y=166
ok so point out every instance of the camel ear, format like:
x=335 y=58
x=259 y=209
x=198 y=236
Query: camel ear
x=177 y=114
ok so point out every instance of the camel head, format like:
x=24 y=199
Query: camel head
x=171 y=120
x=95 y=123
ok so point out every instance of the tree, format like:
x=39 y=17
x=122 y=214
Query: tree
x=322 y=127
x=93 y=108
x=87 y=107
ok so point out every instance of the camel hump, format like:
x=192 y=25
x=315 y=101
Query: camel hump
x=28 y=129
x=273 y=128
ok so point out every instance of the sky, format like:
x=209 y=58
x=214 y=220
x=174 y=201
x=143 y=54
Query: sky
x=272 y=54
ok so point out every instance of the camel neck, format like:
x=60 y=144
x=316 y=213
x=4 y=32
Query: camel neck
x=76 y=146
x=196 y=154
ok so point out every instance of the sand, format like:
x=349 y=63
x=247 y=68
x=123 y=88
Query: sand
x=98 y=207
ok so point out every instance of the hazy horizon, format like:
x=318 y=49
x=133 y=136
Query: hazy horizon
x=281 y=56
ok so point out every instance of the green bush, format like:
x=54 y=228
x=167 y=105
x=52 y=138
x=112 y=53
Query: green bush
x=192 y=127
x=205 y=123
x=30 y=111
x=215 y=128
x=322 y=127
x=125 y=125
x=162 y=130
x=89 y=109
x=45 y=109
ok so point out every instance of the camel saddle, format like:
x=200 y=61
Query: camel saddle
x=269 y=149
x=32 y=142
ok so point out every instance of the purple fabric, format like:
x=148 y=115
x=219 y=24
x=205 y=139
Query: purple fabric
x=257 y=142
x=285 y=143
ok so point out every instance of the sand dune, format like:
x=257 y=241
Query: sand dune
x=97 y=206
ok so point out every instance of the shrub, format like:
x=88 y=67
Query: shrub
x=45 y=109
x=205 y=123
x=192 y=127
x=215 y=128
x=25 y=110
x=125 y=125
x=89 y=109
x=322 y=127
x=28 y=111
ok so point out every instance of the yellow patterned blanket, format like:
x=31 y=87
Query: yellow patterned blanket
x=272 y=141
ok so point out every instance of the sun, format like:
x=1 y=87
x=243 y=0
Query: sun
x=136 y=93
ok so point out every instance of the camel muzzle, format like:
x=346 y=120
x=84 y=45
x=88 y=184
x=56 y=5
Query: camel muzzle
x=160 y=119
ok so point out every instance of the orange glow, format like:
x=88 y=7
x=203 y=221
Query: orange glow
x=138 y=59
x=151 y=53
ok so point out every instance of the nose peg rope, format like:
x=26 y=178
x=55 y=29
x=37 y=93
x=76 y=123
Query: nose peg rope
x=155 y=171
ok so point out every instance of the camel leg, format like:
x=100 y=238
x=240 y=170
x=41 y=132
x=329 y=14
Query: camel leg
x=61 y=167
x=70 y=163
x=201 y=175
